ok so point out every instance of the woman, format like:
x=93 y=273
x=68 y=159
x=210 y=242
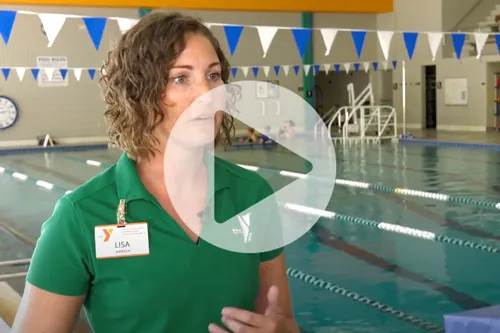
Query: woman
x=117 y=246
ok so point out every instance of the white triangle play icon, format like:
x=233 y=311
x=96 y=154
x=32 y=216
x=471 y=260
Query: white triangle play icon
x=264 y=226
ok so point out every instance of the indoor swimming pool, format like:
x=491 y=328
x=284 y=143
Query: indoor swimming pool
x=442 y=259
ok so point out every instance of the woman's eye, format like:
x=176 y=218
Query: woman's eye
x=180 y=79
x=214 y=76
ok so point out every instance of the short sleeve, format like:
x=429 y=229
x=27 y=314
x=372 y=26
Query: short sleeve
x=59 y=262
x=273 y=223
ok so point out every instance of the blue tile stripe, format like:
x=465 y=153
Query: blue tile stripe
x=62 y=148
x=427 y=142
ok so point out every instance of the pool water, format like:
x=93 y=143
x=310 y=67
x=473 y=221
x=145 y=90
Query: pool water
x=422 y=278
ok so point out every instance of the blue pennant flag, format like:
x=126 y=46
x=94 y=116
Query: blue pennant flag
x=497 y=40
x=64 y=72
x=394 y=64
x=233 y=34
x=358 y=37
x=337 y=67
x=356 y=67
x=6 y=72
x=95 y=28
x=296 y=69
x=458 y=43
x=7 y=18
x=410 y=39
x=277 y=69
x=35 y=72
x=301 y=37
x=91 y=73
x=234 y=70
x=255 y=70
x=375 y=66
x=316 y=69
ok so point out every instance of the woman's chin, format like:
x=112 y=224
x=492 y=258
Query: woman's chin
x=196 y=140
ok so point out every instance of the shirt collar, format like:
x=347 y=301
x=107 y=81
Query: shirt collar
x=130 y=186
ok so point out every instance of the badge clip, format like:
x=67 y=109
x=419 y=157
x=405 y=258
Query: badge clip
x=121 y=213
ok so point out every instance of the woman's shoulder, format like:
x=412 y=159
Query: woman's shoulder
x=100 y=186
x=71 y=212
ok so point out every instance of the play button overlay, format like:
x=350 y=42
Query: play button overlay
x=272 y=222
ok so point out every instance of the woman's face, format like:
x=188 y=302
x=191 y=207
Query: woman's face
x=193 y=111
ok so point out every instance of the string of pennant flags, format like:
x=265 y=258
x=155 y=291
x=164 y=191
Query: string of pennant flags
x=95 y=26
x=245 y=70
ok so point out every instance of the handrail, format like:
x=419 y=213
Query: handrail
x=332 y=120
x=363 y=95
x=349 y=111
x=375 y=114
x=323 y=120
x=346 y=122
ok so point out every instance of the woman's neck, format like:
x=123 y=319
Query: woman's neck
x=179 y=171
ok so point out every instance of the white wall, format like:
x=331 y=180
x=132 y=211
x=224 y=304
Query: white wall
x=454 y=12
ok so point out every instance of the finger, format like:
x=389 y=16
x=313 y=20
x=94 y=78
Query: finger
x=237 y=326
x=214 y=328
x=245 y=317
x=273 y=301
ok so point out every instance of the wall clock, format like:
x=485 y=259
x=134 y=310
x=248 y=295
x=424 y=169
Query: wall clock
x=8 y=112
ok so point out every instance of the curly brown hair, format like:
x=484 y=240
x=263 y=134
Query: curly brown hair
x=135 y=76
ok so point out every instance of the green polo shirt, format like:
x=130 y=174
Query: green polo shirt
x=180 y=286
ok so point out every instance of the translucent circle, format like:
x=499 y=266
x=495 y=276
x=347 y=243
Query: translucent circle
x=270 y=222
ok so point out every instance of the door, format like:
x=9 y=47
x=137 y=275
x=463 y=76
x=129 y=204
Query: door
x=430 y=97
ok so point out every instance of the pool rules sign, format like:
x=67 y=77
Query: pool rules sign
x=49 y=75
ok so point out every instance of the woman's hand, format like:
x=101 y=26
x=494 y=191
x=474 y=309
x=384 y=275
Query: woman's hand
x=242 y=321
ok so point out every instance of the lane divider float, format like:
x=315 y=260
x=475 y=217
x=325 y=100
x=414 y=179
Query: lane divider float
x=357 y=184
x=402 y=230
x=398 y=314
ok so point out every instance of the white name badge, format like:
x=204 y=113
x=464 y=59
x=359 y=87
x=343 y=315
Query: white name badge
x=116 y=241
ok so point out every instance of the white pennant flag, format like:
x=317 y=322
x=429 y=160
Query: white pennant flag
x=385 y=64
x=435 y=39
x=385 y=38
x=78 y=73
x=266 y=36
x=307 y=68
x=49 y=72
x=480 y=42
x=327 y=68
x=347 y=67
x=52 y=24
x=266 y=70
x=328 y=38
x=125 y=24
x=366 y=66
x=286 y=69
x=244 y=70
x=20 y=72
x=208 y=25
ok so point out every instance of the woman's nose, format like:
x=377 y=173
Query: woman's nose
x=203 y=92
